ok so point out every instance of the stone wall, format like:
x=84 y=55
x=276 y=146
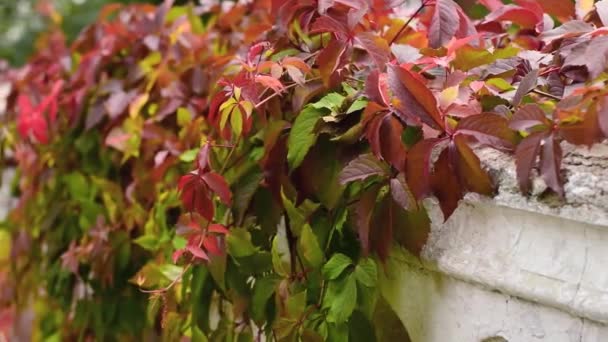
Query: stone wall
x=5 y=198
x=513 y=268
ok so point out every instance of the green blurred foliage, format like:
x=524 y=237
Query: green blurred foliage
x=21 y=23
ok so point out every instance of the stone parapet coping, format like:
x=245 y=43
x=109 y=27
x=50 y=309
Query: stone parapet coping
x=539 y=248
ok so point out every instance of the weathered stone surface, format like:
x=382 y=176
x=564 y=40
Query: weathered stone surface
x=503 y=267
x=439 y=308
x=6 y=201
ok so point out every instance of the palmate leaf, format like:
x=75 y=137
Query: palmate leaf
x=196 y=191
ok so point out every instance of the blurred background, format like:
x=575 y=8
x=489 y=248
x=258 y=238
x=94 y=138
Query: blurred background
x=22 y=20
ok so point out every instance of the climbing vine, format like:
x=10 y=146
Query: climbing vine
x=241 y=170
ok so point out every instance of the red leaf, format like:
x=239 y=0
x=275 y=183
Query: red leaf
x=415 y=99
x=377 y=47
x=471 y=175
x=202 y=159
x=526 y=155
x=391 y=145
x=401 y=193
x=550 y=164
x=445 y=185
x=329 y=24
x=418 y=166
x=197 y=252
x=563 y=10
x=211 y=245
x=362 y=167
x=217 y=184
x=489 y=129
x=329 y=59
x=444 y=23
x=178 y=254
x=363 y=211
x=602 y=115
x=270 y=82
x=525 y=86
x=218 y=228
x=528 y=117
x=519 y=15
x=195 y=195
x=30 y=122
x=385 y=218
x=585 y=132
x=492 y=5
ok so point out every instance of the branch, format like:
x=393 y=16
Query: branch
x=407 y=23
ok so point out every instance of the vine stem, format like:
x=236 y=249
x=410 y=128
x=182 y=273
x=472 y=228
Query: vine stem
x=407 y=23
x=542 y=93
x=230 y=153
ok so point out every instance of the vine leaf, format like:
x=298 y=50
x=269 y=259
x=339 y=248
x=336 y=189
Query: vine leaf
x=444 y=23
x=414 y=98
x=550 y=163
x=419 y=166
x=336 y=265
x=526 y=155
x=362 y=167
x=489 y=129
x=472 y=176
x=401 y=193
x=445 y=184
x=195 y=195
x=376 y=47
x=302 y=135
x=529 y=117
x=525 y=86
x=363 y=213
x=342 y=298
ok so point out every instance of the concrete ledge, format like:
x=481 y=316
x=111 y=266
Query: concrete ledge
x=546 y=254
x=438 y=308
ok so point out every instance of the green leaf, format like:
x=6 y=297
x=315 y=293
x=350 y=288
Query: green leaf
x=183 y=116
x=357 y=105
x=263 y=289
x=147 y=242
x=170 y=271
x=310 y=247
x=188 y=156
x=331 y=101
x=5 y=245
x=336 y=265
x=198 y=335
x=302 y=136
x=366 y=272
x=389 y=326
x=239 y=243
x=342 y=299
x=280 y=254
x=360 y=328
x=296 y=304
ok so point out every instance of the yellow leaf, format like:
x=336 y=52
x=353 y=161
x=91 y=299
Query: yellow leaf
x=137 y=104
x=448 y=96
